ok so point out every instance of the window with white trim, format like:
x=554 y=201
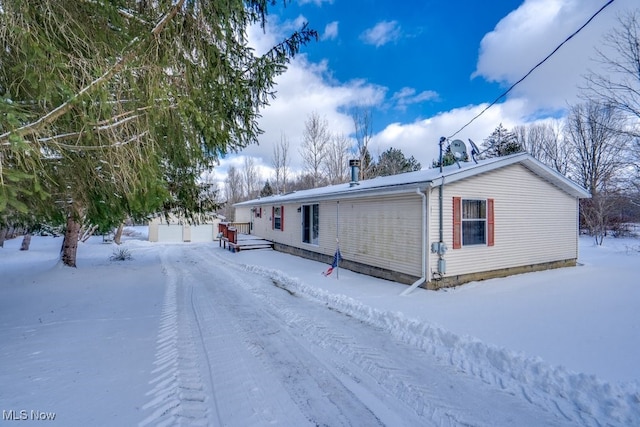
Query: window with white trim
x=474 y=222
x=277 y=218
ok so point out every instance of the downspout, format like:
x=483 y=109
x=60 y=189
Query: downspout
x=424 y=256
x=441 y=248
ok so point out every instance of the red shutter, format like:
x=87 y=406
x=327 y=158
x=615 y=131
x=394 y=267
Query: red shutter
x=457 y=223
x=490 y=223
x=281 y=218
x=273 y=217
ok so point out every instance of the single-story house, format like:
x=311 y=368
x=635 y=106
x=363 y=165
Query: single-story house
x=473 y=221
x=179 y=229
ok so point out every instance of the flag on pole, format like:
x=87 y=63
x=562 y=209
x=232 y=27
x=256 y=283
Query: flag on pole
x=337 y=257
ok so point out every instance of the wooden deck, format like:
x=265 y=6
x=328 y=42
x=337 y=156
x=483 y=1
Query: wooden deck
x=245 y=242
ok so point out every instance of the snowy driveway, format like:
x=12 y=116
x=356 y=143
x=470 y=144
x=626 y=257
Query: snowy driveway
x=190 y=334
x=237 y=348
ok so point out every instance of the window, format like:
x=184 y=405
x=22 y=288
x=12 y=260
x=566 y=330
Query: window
x=277 y=218
x=473 y=222
x=310 y=223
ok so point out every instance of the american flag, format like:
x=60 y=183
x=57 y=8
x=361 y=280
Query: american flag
x=337 y=257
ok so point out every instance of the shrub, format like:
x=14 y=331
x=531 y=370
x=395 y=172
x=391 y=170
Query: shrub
x=121 y=254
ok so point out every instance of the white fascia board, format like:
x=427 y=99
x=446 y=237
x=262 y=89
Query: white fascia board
x=340 y=195
x=556 y=178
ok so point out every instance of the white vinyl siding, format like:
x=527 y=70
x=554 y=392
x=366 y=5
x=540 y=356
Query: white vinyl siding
x=378 y=231
x=535 y=222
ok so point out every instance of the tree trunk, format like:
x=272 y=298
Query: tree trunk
x=26 y=241
x=3 y=236
x=118 y=235
x=70 y=242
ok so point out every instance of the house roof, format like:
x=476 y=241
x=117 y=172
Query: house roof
x=410 y=181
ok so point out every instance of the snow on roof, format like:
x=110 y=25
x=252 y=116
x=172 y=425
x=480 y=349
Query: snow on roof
x=409 y=181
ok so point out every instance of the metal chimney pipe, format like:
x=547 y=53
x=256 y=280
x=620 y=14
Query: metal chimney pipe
x=355 y=166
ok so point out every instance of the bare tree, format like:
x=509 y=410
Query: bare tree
x=280 y=162
x=593 y=131
x=250 y=178
x=314 y=146
x=545 y=142
x=336 y=163
x=619 y=84
x=233 y=190
x=363 y=124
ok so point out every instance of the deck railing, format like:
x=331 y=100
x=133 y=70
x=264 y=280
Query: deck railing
x=242 y=227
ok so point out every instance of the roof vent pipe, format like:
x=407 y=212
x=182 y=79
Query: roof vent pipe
x=354 y=164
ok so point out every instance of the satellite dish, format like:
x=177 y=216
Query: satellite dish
x=458 y=149
x=475 y=151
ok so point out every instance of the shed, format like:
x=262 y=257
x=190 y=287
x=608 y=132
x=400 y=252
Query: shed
x=499 y=216
x=177 y=229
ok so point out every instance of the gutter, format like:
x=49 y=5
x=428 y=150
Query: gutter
x=425 y=253
x=353 y=194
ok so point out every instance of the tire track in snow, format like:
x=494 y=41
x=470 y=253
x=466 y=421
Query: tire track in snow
x=261 y=343
x=349 y=361
x=267 y=377
x=177 y=394
x=388 y=381
x=275 y=358
x=442 y=406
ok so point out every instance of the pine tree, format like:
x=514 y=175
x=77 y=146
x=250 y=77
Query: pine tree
x=266 y=190
x=393 y=162
x=124 y=104
x=502 y=142
x=448 y=159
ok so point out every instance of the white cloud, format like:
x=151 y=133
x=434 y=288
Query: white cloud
x=382 y=33
x=304 y=88
x=407 y=96
x=528 y=34
x=420 y=138
x=316 y=2
x=307 y=88
x=330 y=31
x=517 y=43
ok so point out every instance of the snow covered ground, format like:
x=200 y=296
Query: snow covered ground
x=192 y=334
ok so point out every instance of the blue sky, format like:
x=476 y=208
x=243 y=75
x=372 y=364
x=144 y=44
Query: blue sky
x=423 y=53
x=424 y=69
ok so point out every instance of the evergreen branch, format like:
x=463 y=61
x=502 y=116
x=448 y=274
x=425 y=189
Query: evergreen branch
x=65 y=107
x=124 y=12
x=78 y=148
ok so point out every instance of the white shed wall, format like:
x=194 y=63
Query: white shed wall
x=203 y=232
x=170 y=233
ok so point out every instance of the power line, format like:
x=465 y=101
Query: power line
x=532 y=69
